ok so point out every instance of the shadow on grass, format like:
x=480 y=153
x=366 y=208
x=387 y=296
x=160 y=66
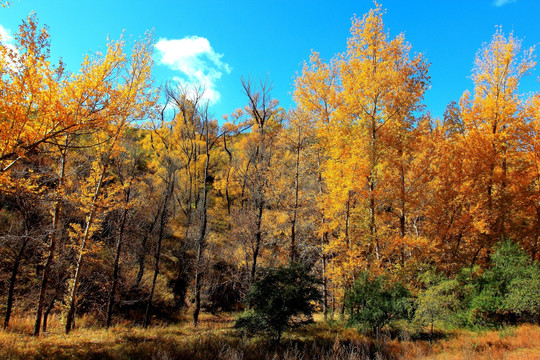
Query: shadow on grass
x=205 y=346
x=320 y=341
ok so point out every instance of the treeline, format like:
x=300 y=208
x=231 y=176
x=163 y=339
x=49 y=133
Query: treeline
x=122 y=200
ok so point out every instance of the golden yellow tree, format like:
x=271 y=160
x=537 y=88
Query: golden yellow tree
x=364 y=101
x=494 y=123
x=318 y=97
x=122 y=94
x=382 y=86
x=530 y=170
x=31 y=89
x=55 y=109
x=446 y=222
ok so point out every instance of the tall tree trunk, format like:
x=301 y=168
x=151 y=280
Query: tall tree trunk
x=323 y=275
x=168 y=194
x=293 y=253
x=348 y=220
x=371 y=182
x=372 y=231
x=142 y=251
x=227 y=195
x=86 y=235
x=534 y=249
x=112 y=293
x=201 y=241
x=503 y=205
x=324 y=241
x=12 y=280
x=197 y=308
x=48 y=310
x=53 y=238
x=180 y=283
x=258 y=240
x=402 y=218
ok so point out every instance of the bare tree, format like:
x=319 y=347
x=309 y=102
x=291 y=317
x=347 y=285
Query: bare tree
x=261 y=109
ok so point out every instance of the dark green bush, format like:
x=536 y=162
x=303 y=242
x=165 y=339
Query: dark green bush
x=281 y=299
x=509 y=290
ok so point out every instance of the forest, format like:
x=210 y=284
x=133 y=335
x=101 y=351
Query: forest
x=128 y=205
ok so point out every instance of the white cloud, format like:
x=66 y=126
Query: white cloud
x=5 y=35
x=7 y=40
x=196 y=61
x=500 y=3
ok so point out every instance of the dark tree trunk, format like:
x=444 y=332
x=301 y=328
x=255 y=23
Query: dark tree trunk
x=371 y=182
x=402 y=218
x=163 y=219
x=142 y=251
x=48 y=311
x=323 y=274
x=12 y=280
x=258 y=240
x=293 y=253
x=324 y=241
x=52 y=242
x=201 y=241
x=112 y=294
x=72 y=301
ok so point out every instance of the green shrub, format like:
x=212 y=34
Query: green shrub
x=437 y=302
x=281 y=299
x=509 y=290
x=375 y=302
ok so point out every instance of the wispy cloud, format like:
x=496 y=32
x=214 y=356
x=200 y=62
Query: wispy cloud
x=500 y=3
x=196 y=61
x=7 y=40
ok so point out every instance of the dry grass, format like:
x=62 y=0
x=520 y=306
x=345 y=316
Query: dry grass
x=215 y=339
x=520 y=343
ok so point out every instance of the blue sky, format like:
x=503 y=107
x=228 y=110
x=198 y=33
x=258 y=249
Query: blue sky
x=217 y=42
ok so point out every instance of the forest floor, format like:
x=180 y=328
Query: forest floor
x=215 y=338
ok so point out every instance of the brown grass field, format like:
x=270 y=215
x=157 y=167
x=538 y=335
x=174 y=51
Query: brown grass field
x=216 y=339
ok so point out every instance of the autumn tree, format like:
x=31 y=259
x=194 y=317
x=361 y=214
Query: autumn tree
x=20 y=225
x=317 y=94
x=444 y=210
x=256 y=159
x=365 y=102
x=43 y=108
x=383 y=86
x=198 y=135
x=127 y=93
x=39 y=101
x=494 y=123
x=187 y=144
x=126 y=168
x=31 y=88
x=183 y=141
x=163 y=215
x=295 y=188
x=533 y=179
